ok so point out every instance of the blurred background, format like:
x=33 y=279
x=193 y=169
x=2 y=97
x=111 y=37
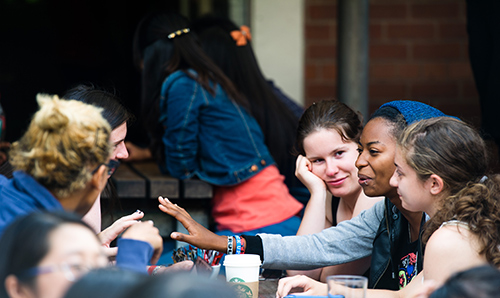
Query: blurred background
x=417 y=49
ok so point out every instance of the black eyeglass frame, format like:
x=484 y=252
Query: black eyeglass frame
x=112 y=165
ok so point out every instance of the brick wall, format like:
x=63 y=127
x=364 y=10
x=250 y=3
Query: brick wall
x=418 y=50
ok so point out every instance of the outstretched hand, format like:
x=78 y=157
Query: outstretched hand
x=120 y=225
x=310 y=286
x=199 y=236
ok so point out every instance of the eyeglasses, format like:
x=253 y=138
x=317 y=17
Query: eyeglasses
x=71 y=271
x=112 y=165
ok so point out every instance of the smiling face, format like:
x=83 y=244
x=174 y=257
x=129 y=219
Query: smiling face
x=412 y=191
x=117 y=138
x=333 y=161
x=375 y=163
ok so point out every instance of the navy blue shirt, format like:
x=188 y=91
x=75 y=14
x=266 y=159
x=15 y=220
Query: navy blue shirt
x=22 y=195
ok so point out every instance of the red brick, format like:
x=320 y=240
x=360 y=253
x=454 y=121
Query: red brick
x=423 y=91
x=468 y=111
x=311 y=72
x=460 y=70
x=321 y=12
x=321 y=90
x=389 y=91
x=375 y=32
x=318 y=32
x=434 y=70
x=329 y=71
x=334 y=33
x=376 y=103
x=437 y=51
x=469 y=90
x=396 y=51
x=322 y=51
x=409 y=70
x=309 y=101
x=410 y=31
x=383 y=70
x=453 y=30
x=444 y=105
x=388 y=11
x=435 y=10
x=407 y=50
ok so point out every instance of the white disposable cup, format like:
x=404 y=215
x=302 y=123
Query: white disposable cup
x=243 y=272
x=347 y=286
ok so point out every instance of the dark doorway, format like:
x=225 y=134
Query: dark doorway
x=51 y=45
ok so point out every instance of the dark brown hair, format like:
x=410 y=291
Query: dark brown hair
x=454 y=151
x=276 y=119
x=329 y=114
x=157 y=57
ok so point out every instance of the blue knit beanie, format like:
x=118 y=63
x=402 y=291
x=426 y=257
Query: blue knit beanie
x=414 y=111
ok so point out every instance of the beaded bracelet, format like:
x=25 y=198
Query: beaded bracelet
x=230 y=245
x=238 y=244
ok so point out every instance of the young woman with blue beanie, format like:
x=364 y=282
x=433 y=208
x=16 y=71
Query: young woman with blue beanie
x=442 y=169
x=356 y=238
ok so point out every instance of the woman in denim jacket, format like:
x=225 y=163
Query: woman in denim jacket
x=201 y=127
x=230 y=47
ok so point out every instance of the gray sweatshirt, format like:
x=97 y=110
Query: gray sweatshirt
x=350 y=240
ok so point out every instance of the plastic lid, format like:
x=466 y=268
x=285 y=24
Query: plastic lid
x=245 y=260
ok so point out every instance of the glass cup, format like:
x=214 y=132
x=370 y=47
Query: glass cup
x=215 y=271
x=347 y=286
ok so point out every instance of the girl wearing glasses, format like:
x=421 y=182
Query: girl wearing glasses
x=61 y=162
x=118 y=118
x=43 y=253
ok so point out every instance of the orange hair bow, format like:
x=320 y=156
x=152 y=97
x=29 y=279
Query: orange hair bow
x=242 y=36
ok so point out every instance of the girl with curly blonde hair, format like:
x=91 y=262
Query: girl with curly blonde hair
x=62 y=160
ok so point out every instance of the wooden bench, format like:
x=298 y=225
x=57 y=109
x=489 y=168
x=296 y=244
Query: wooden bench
x=139 y=181
x=144 y=180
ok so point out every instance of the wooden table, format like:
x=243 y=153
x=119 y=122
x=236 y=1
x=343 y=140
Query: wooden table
x=267 y=288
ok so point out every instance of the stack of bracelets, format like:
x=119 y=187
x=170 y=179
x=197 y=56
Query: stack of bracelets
x=240 y=245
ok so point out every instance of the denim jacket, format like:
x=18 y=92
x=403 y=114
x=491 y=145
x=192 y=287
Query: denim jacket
x=207 y=136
